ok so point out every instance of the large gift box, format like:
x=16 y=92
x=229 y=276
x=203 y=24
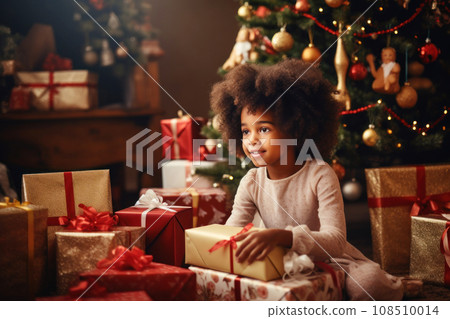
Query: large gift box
x=161 y=282
x=80 y=251
x=430 y=248
x=61 y=90
x=180 y=133
x=320 y=286
x=209 y=205
x=181 y=174
x=23 y=247
x=164 y=230
x=62 y=193
x=395 y=194
x=213 y=247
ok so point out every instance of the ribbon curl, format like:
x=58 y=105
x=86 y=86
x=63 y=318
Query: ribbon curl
x=124 y=259
x=90 y=220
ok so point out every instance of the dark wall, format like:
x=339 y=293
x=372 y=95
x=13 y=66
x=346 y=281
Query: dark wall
x=197 y=36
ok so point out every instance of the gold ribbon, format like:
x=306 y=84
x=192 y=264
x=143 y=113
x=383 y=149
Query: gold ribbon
x=30 y=216
x=195 y=201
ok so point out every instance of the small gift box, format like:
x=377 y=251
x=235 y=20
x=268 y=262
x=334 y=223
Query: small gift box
x=430 y=248
x=20 y=99
x=91 y=291
x=165 y=226
x=213 y=246
x=134 y=271
x=181 y=131
x=395 y=194
x=319 y=286
x=209 y=205
x=61 y=90
x=61 y=193
x=181 y=174
x=23 y=246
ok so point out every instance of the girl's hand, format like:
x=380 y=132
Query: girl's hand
x=256 y=245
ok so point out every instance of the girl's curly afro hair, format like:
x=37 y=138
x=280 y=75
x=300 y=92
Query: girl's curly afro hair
x=303 y=102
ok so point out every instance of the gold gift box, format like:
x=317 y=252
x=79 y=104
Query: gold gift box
x=199 y=240
x=77 y=252
x=91 y=188
x=427 y=261
x=23 y=247
x=391 y=225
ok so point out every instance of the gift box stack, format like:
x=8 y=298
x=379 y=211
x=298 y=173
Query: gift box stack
x=210 y=249
x=73 y=236
x=410 y=218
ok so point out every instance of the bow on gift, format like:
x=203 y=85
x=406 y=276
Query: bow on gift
x=90 y=220
x=152 y=201
x=429 y=206
x=232 y=243
x=54 y=62
x=123 y=259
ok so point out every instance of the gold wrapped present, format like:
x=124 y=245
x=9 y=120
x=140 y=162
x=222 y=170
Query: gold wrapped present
x=61 y=193
x=23 y=247
x=61 y=90
x=213 y=247
x=77 y=252
x=394 y=194
x=430 y=248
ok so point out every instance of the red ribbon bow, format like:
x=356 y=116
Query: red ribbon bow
x=90 y=220
x=54 y=62
x=232 y=243
x=80 y=289
x=124 y=259
x=429 y=206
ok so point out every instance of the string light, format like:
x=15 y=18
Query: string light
x=389 y=118
x=427 y=126
x=389 y=131
x=396 y=32
x=219 y=145
x=363 y=29
x=369 y=21
x=399 y=145
x=445 y=111
x=379 y=101
x=424 y=133
x=349 y=27
x=334 y=22
x=414 y=128
x=414 y=122
x=380 y=8
x=443 y=128
x=344 y=125
x=320 y=10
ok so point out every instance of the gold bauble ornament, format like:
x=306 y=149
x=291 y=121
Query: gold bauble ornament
x=282 y=41
x=370 y=136
x=407 y=97
x=311 y=54
x=334 y=3
x=245 y=11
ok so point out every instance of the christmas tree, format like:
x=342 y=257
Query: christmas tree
x=384 y=58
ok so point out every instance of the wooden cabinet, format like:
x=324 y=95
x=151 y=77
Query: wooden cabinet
x=78 y=140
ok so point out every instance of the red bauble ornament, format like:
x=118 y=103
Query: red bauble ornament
x=302 y=6
x=429 y=52
x=357 y=72
x=97 y=4
x=262 y=12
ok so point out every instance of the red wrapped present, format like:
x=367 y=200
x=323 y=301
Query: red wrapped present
x=164 y=229
x=132 y=270
x=209 y=205
x=181 y=131
x=20 y=99
x=319 y=286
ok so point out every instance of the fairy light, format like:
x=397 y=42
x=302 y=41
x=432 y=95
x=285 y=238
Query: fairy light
x=396 y=32
x=399 y=145
x=414 y=122
x=359 y=42
x=334 y=22
x=320 y=10
x=219 y=145
x=389 y=131
x=231 y=177
x=356 y=59
x=443 y=128
x=349 y=27
x=424 y=133
x=427 y=126
x=344 y=125
x=380 y=8
x=414 y=128
x=363 y=29
x=389 y=118
x=369 y=21
x=445 y=111
x=379 y=101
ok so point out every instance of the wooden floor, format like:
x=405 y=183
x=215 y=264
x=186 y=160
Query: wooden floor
x=358 y=234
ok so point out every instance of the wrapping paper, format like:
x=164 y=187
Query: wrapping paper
x=215 y=285
x=61 y=90
x=61 y=193
x=164 y=231
x=209 y=205
x=199 y=240
x=427 y=260
x=181 y=174
x=392 y=194
x=80 y=251
x=161 y=282
x=112 y=296
x=181 y=131
x=23 y=247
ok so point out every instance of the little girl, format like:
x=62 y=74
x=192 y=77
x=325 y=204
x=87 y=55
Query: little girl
x=270 y=111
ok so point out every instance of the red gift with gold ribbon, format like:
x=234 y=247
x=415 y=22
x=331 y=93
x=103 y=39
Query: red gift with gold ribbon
x=23 y=250
x=181 y=131
x=165 y=226
x=61 y=90
x=430 y=248
x=394 y=195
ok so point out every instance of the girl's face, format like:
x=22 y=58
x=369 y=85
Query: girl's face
x=265 y=143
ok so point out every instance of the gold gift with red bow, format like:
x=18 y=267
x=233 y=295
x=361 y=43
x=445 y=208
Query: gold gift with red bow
x=394 y=195
x=214 y=247
x=23 y=250
x=88 y=238
x=430 y=248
